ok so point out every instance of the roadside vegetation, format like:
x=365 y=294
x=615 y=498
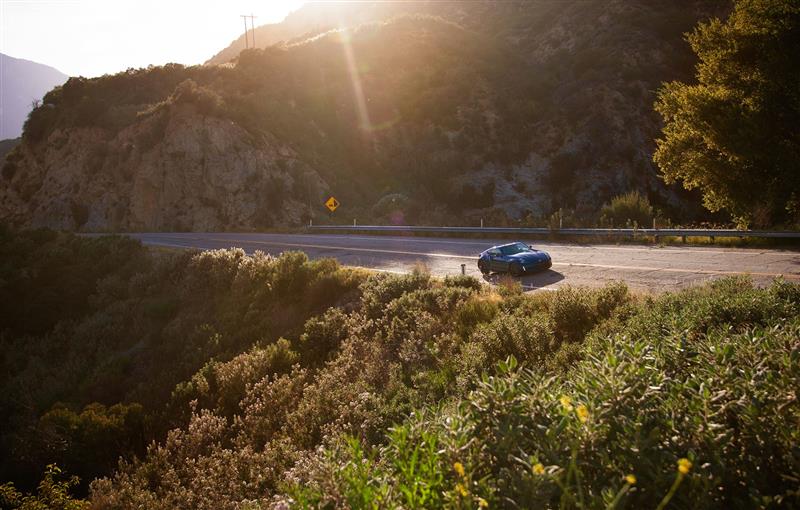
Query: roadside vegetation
x=733 y=134
x=232 y=381
x=97 y=332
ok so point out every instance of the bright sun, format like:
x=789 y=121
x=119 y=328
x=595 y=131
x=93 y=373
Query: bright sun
x=95 y=37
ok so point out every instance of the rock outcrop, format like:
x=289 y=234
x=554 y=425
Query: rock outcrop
x=176 y=169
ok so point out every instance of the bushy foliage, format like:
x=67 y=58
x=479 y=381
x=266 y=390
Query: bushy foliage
x=97 y=333
x=53 y=493
x=410 y=341
x=575 y=311
x=268 y=380
x=697 y=415
x=86 y=443
x=629 y=209
x=48 y=277
x=731 y=134
x=112 y=102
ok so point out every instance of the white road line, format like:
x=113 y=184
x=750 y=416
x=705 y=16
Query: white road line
x=344 y=248
x=676 y=270
x=485 y=244
x=472 y=257
x=378 y=269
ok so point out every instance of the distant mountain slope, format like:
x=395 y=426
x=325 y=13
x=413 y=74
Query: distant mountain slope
x=21 y=83
x=469 y=110
x=6 y=146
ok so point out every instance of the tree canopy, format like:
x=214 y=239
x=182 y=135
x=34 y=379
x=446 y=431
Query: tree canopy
x=734 y=135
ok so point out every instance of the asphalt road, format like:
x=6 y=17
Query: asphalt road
x=652 y=268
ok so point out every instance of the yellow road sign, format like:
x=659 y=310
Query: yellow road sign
x=332 y=204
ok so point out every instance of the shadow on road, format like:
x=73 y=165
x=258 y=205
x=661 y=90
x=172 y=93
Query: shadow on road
x=528 y=282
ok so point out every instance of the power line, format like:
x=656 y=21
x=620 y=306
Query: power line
x=253 y=27
x=246 y=40
x=252 y=30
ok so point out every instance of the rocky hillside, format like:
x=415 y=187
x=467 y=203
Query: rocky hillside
x=23 y=82
x=438 y=112
x=174 y=168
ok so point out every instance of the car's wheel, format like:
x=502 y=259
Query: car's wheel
x=483 y=267
x=515 y=269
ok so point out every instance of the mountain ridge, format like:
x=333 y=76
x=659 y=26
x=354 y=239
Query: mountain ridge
x=538 y=111
x=24 y=81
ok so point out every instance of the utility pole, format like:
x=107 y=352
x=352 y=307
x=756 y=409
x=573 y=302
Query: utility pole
x=253 y=28
x=246 y=40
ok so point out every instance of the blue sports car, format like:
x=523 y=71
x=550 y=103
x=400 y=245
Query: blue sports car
x=515 y=258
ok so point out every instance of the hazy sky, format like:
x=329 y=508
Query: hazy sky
x=94 y=37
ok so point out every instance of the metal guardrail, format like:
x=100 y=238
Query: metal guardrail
x=610 y=232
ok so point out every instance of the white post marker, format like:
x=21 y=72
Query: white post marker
x=463 y=269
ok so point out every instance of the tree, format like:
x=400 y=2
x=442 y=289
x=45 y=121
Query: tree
x=735 y=134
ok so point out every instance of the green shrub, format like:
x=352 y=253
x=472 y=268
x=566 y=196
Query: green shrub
x=469 y=282
x=628 y=209
x=322 y=335
x=631 y=408
x=105 y=320
x=281 y=377
x=478 y=309
x=48 y=277
x=381 y=288
x=527 y=338
x=221 y=386
x=730 y=303
x=574 y=312
x=53 y=493
x=88 y=443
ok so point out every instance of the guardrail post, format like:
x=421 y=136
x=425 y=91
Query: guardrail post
x=463 y=269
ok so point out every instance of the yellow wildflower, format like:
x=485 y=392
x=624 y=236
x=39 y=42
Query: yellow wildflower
x=583 y=413
x=482 y=503
x=566 y=403
x=631 y=479
x=538 y=468
x=459 y=468
x=684 y=466
x=462 y=490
